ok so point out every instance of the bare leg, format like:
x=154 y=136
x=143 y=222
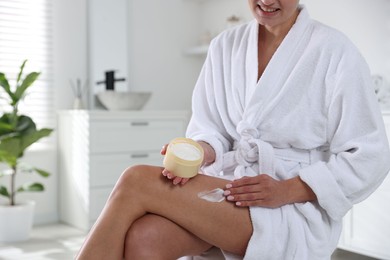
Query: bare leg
x=155 y=237
x=142 y=190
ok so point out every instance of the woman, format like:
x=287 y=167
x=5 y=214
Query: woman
x=286 y=113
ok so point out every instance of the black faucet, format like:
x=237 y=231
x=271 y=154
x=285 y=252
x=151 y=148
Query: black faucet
x=110 y=80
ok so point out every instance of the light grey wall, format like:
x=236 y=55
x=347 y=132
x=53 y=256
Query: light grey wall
x=214 y=14
x=366 y=23
x=159 y=33
x=70 y=48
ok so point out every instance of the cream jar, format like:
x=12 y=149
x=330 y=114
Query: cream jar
x=183 y=157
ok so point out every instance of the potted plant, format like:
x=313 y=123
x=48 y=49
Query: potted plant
x=17 y=133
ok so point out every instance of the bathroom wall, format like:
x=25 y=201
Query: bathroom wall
x=159 y=33
x=366 y=23
x=214 y=14
x=70 y=50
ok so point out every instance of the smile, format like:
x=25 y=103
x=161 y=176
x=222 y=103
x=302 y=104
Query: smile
x=267 y=9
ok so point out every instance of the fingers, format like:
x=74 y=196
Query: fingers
x=245 y=197
x=184 y=181
x=165 y=173
x=266 y=203
x=261 y=199
x=244 y=185
x=251 y=188
x=261 y=190
x=164 y=149
x=251 y=180
x=175 y=180
x=258 y=203
x=244 y=181
x=250 y=184
x=168 y=174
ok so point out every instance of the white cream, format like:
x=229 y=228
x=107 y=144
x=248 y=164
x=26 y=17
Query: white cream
x=186 y=151
x=215 y=195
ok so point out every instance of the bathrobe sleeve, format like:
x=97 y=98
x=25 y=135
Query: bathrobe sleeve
x=206 y=122
x=359 y=148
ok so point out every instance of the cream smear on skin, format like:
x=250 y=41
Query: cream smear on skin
x=215 y=195
x=186 y=151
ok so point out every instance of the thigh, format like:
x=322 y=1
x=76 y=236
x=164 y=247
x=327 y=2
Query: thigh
x=162 y=238
x=220 y=224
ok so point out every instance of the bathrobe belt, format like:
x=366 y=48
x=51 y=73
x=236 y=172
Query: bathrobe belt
x=253 y=156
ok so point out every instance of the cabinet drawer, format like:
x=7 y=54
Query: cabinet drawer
x=107 y=168
x=133 y=135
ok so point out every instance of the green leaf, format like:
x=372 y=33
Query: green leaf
x=5 y=128
x=9 y=135
x=11 y=146
x=41 y=172
x=7 y=158
x=25 y=125
x=31 y=187
x=30 y=138
x=4 y=191
x=17 y=125
x=24 y=167
x=28 y=81
x=21 y=71
x=16 y=145
x=4 y=83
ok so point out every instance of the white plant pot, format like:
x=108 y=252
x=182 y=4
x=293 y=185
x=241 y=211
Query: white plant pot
x=16 y=221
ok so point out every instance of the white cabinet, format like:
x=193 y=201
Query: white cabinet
x=96 y=146
x=367 y=225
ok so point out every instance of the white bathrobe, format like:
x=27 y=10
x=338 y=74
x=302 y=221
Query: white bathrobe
x=313 y=113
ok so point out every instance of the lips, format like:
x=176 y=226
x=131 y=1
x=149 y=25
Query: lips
x=267 y=9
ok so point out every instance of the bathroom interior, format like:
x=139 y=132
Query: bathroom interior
x=119 y=79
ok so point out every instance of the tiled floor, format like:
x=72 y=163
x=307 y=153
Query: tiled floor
x=51 y=242
x=61 y=242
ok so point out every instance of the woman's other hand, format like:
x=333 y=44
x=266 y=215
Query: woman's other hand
x=175 y=180
x=265 y=191
x=261 y=190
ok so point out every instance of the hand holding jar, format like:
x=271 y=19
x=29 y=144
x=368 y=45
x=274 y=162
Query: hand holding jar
x=184 y=157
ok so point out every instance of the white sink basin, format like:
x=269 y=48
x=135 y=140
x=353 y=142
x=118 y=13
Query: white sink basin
x=113 y=100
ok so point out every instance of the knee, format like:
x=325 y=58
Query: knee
x=131 y=175
x=143 y=240
x=130 y=180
